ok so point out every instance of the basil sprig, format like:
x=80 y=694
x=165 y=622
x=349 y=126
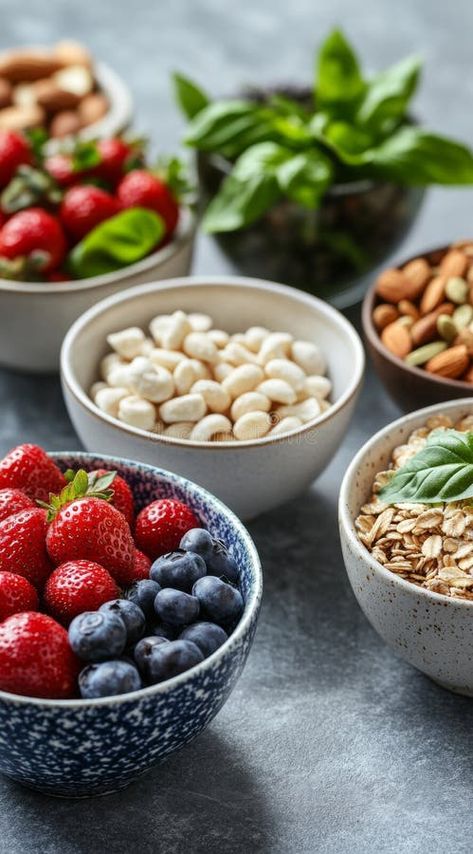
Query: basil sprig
x=357 y=128
x=441 y=471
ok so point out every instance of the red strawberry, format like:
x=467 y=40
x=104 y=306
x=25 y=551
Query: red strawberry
x=141 y=566
x=34 y=231
x=58 y=276
x=14 y=151
x=16 y=594
x=28 y=467
x=61 y=168
x=85 y=207
x=161 y=525
x=142 y=189
x=122 y=495
x=23 y=546
x=13 y=501
x=35 y=657
x=113 y=155
x=78 y=586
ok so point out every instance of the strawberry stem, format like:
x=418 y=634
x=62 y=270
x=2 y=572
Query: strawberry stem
x=80 y=484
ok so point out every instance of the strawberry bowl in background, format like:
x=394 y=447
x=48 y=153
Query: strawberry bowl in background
x=80 y=748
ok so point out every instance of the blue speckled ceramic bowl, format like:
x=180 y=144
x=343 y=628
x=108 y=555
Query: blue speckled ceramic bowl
x=77 y=748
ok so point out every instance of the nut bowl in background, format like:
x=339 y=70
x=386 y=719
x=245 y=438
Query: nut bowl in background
x=78 y=748
x=251 y=476
x=431 y=631
x=35 y=316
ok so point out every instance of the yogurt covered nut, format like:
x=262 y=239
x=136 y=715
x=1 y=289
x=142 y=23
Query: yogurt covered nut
x=284 y=369
x=179 y=430
x=137 y=412
x=276 y=345
x=254 y=337
x=237 y=354
x=208 y=427
x=175 y=331
x=241 y=379
x=222 y=370
x=187 y=372
x=158 y=326
x=108 y=363
x=95 y=388
x=199 y=322
x=278 y=390
x=285 y=425
x=318 y=386
x=214 y=394
x=128 y=342
x=107 y=399
x=119 y=375
x=219 y=337
x=252 y=425
x=309 y=357
x=147 y=347
x=306 y=411
x=249 y=402
x=153 y=383
x=198 y=345
x=169 y=359
x=189 y=407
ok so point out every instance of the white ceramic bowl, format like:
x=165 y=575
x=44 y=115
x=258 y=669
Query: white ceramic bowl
x=35 y=316
x=251 y=476
x=432 y=632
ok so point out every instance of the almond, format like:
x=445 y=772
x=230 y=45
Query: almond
x=425 y=328
x=452 y=363
x=408 y=307
x=21 y=118
x=433 y=294
x=392 y=286
x=465 y=337
x=5 y=93
x=396 y=338
x=454 y=263
x=92 y=108
x=384 y=314
x=69 y=52
x=54 y=99
x=468 y=378
x=27 y=64
x=64 y=123
x=418 y=272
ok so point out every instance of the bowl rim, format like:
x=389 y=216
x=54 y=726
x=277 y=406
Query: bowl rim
x=252 y=284
x=251 y=610
x=374 y=339
x=182 y=237
x=347 y=524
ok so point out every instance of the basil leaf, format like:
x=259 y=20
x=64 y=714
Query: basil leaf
x=304 y=177
x=414 y=156
x=189 y=96
x=338 y=76
x=265 y=156
x=349 y=143
x=119 y=241
x=441 y=471
x=389 y=93
x=228 y=127
x=240 y=202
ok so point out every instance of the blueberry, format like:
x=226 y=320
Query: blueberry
x=197 y=540
x=219 y=602
x=179 y=570
x=176 y=607
x=143 y=593
x=161 y=630
x=108 y=678
x=131 y=615
x=220 y=562
x=97 y=635
x=207 y=636
x=170 y=659
x=142 y=652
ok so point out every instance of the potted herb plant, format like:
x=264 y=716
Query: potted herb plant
x=316 y=187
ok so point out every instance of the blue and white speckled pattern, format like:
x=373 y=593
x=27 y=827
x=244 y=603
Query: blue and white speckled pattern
x=80 y=748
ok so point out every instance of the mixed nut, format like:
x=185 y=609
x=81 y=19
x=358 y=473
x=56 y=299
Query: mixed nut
x=192 y=381
x=424 y=315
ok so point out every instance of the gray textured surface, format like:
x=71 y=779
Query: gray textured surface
x=329 y=743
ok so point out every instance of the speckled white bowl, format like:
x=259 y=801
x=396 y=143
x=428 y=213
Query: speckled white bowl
x=432 y=632
x=35 y=316
x=251 y=476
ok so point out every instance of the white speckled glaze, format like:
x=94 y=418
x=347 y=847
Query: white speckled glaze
x=249 y=476
x=77 y=748
x=35 y=316
x=432 y=632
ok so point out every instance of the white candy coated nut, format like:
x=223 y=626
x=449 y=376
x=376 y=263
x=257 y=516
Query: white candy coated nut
x=219 y=337
x=278 y=390
x=119 y=375
x=309 y=357
x=252 y=425
x=111 y=360
x=209 y=426
x=306 y=411
x=254 y=337
x=237 y=354
x=324 y=405
x=214 y=394
x=222 y=370
x=127 y=342
x=284 y=369
x=249 y=402
x=96 y=387
x=199 y=322
x=179 y=430
x=173 y=334
x=198 y=345
x=158 y=326
x=137 y=412
x=165 y=358
x=187 y=373
x=319 y=387
x=189 y=407
x=276 y=345
x=151 y=382
x=147 y=347
x=107 y=399
x=286 y=425
x=239 y=338
x=243 y=378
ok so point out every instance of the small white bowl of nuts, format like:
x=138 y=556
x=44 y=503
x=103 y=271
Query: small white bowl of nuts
x=244 y=386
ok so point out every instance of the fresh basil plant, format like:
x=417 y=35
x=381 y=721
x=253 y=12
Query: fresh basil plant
x=358 y=127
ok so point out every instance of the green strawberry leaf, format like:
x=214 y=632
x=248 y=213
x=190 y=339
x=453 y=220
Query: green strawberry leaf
x=441 y=471
x=190 y=98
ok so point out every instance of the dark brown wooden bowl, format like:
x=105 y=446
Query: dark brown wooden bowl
x=411 y=388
